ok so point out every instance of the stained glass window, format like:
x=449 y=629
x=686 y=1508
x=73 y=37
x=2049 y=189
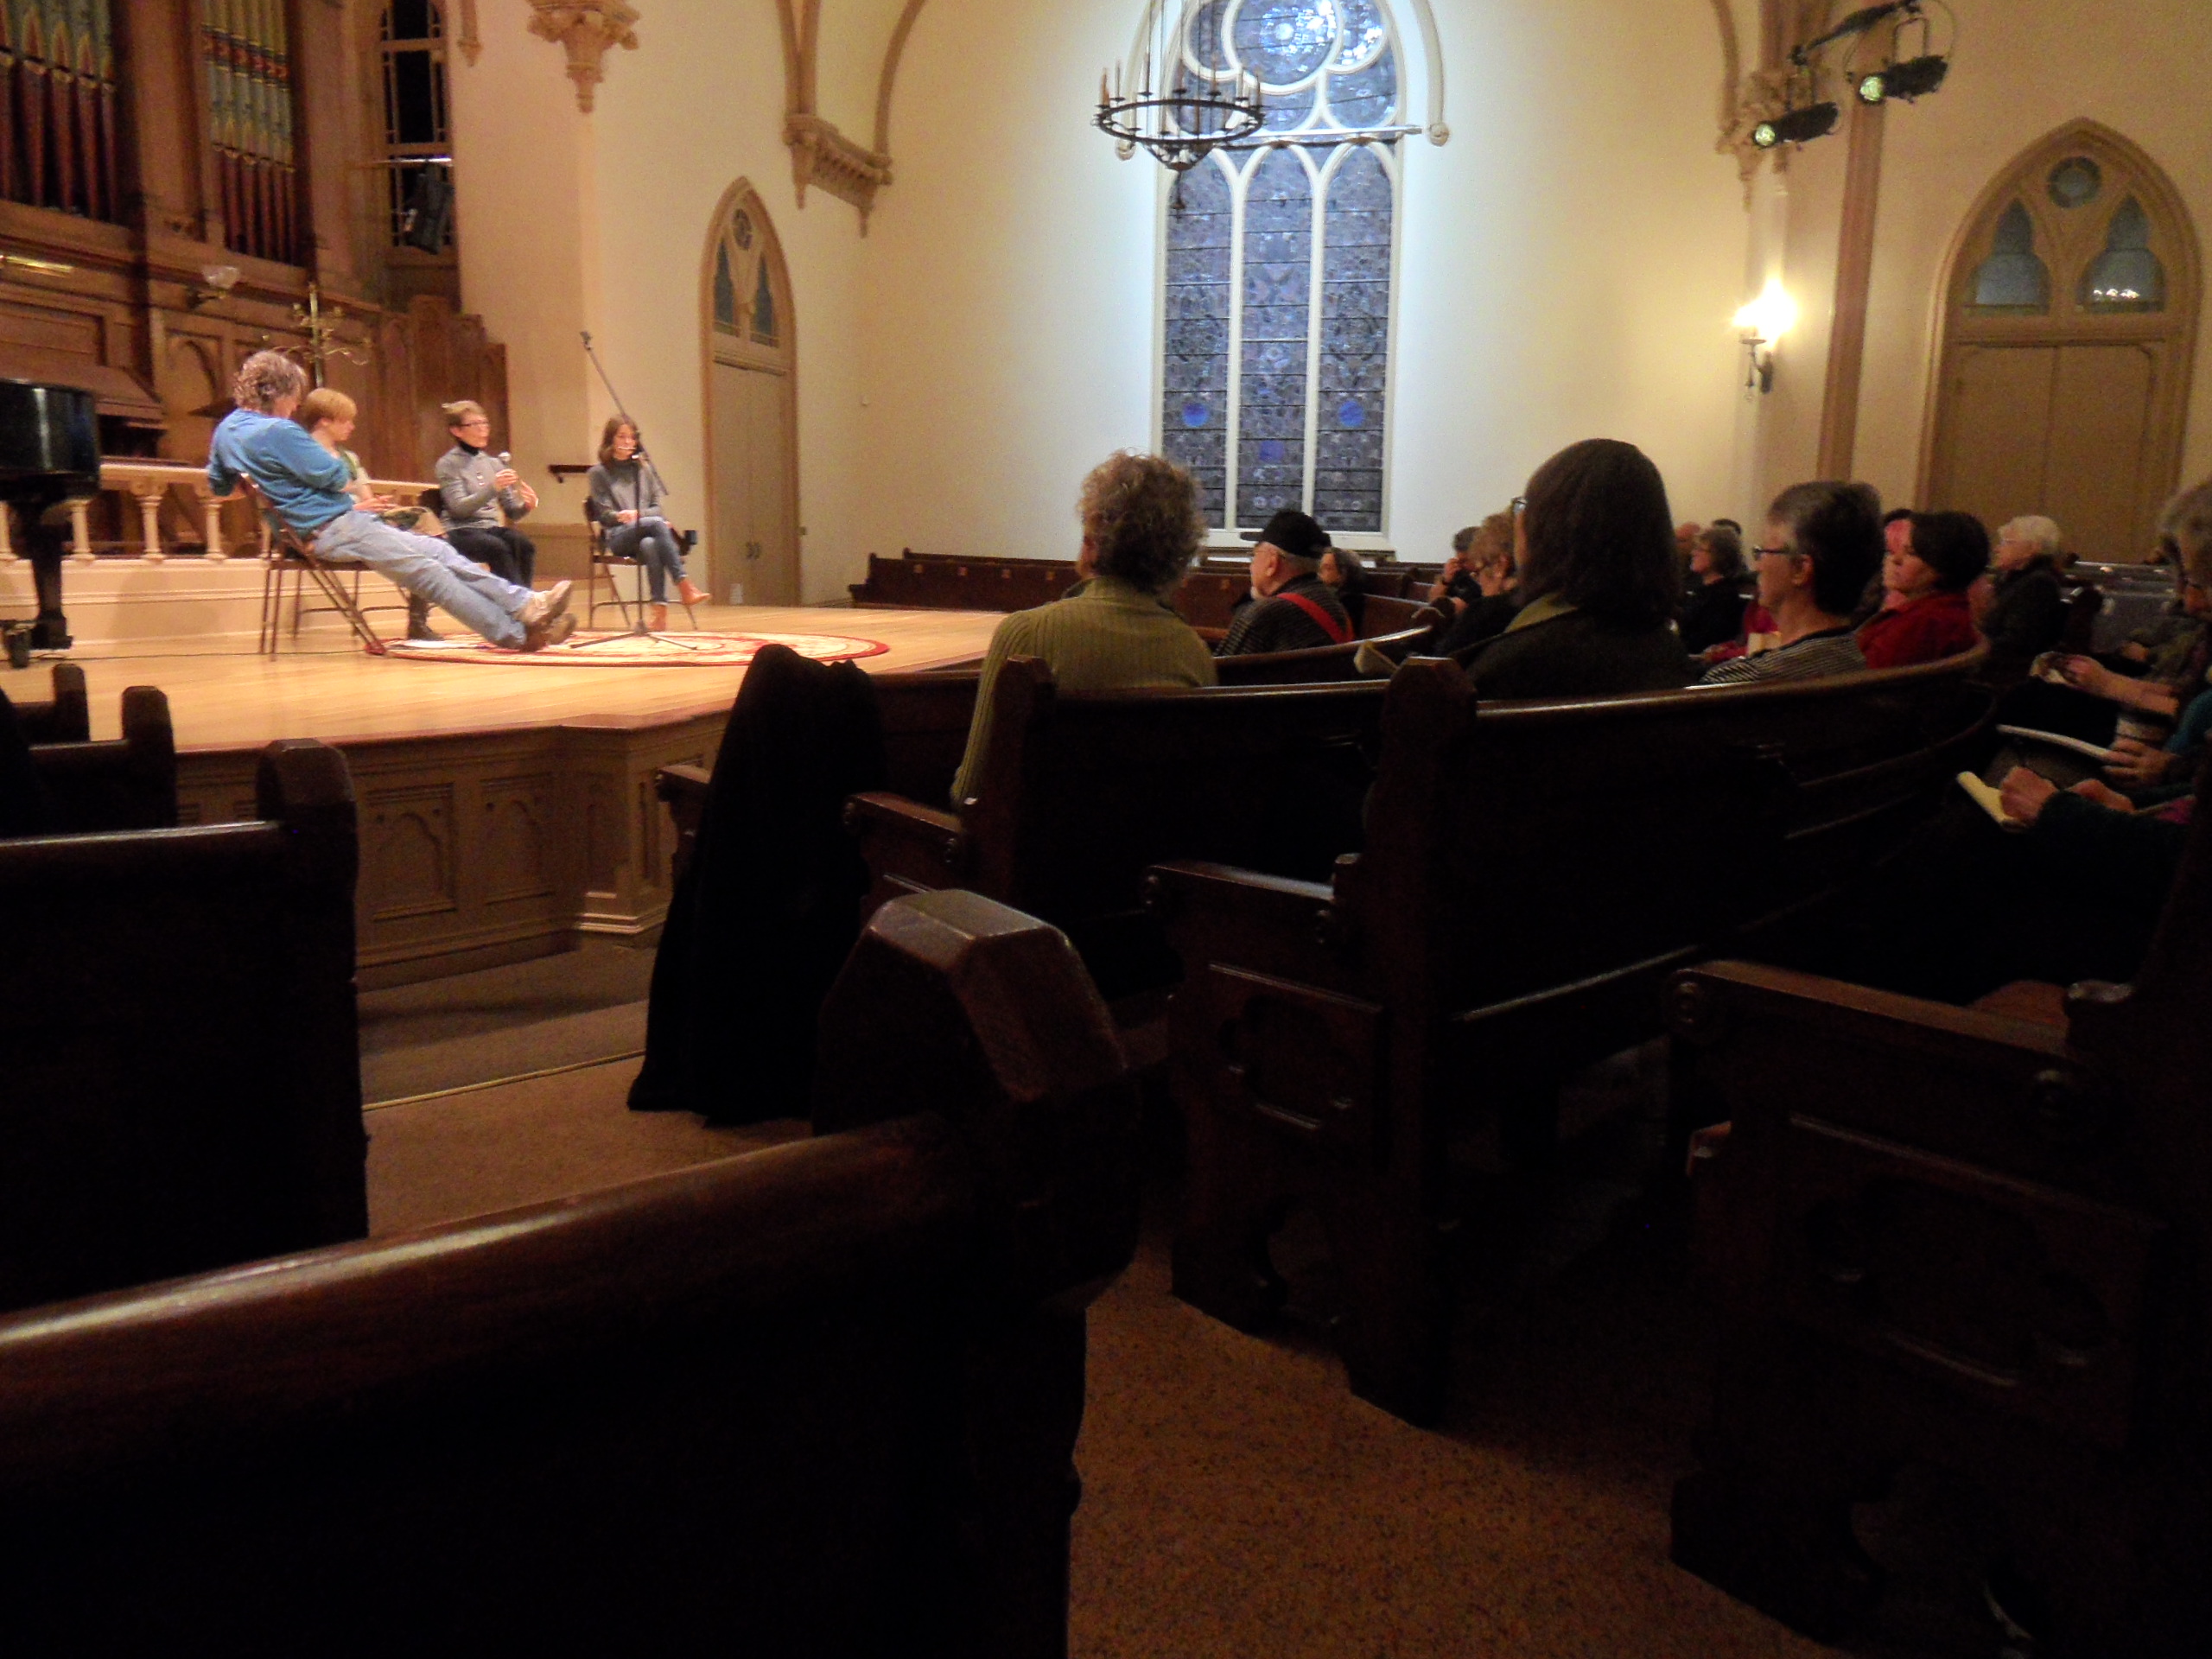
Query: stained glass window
x=2126 y=276
x=724 y=292
x=764 y=309
x=2013 y=276
x=1279 y=258
x=2076 y=181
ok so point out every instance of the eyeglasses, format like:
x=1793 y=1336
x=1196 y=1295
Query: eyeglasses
x=1519 y=505
x=1778 y=552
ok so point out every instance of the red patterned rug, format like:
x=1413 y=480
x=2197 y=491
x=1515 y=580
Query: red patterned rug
x=582 y=650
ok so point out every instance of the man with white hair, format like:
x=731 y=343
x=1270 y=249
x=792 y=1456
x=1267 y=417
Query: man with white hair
x=2025 y=611
x=305 y=485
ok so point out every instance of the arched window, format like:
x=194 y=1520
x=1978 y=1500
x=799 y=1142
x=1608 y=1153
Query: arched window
x=2014 y=277
x=2126 y=276
x=1280 y=253
x=417 y=138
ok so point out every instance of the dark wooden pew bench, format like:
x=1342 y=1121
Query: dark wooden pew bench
x=65 y=717
x=128 y=783
x=817 y=1402
x=1531 y=874
x=183 y=1076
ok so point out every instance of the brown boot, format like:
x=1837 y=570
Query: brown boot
x=689 y=595
x=656 y=619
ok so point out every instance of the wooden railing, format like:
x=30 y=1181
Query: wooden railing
x=148 y=483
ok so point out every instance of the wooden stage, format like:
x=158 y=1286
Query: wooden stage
x=504 y=809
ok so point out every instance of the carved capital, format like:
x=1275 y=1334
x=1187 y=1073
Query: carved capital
x=585 y=29
x=822 y=156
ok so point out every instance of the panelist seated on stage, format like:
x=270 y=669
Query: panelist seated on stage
x=306 y=485
x=478 y=487
x=627 y=494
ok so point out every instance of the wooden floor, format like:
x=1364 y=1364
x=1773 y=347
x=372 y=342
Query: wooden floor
x=243 y=701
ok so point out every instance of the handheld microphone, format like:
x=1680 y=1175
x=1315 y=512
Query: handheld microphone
x=505 y=460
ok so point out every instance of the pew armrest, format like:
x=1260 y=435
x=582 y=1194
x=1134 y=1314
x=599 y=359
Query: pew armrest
x=910 y=848
x=1273 y=924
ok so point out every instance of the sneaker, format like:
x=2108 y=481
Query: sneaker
x=418 y=621
x=549 y=634
x=545 y=607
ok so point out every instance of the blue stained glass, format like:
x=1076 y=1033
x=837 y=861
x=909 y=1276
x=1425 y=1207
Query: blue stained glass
x=2126 y=276
x=1285 y=41
x=1366 y=97
x=725 y=293
x=1355 y=341
x=1364 y=32
x=1205 y=38
x=1200 y=227
x=1278 y=281
x=2012 y=276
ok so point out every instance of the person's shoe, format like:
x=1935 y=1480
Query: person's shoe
x=656 y=619
x=418 y=620
x=545 y=607
x=689 y=595
x=549 y=634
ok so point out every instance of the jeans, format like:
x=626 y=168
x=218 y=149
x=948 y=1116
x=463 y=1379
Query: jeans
x=425 y=565
x=509 y=552
x=653 y=544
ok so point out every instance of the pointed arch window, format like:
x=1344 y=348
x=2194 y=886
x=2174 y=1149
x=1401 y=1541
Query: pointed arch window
x=764 y=308
x=2014 y=277
x=724 y=292
x=1280 y=257
x=2126 y=276
x=749 y=291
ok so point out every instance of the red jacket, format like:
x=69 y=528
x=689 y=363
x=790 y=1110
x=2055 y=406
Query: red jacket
x=1919 y=630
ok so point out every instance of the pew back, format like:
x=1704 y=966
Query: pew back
x=66 y=717
x=127 y=783
x=183 y=1084
x=818 y=1400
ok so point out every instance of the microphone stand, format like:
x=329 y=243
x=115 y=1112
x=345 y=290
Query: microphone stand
x=646 y=469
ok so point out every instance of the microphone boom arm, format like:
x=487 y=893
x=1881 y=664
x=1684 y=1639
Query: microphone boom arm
x=644 y=459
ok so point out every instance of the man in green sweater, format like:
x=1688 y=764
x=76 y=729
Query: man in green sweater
x=1141 y=527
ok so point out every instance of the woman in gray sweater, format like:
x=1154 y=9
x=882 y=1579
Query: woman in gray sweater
x=625 y=497
x=475 y=486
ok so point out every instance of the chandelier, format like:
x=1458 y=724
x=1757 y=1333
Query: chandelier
x=1177 y=98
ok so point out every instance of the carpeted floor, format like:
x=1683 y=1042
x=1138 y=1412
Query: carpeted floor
x=1238 y=1501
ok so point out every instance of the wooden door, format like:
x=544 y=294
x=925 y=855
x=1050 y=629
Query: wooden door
x=2069 y=332
x=752 y=408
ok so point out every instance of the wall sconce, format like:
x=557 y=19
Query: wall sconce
x=214 y=286
x=1764 y=321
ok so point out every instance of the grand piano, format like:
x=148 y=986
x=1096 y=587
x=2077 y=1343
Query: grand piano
x=49 y=454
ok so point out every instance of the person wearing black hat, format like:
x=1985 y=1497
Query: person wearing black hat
x=1291 y=607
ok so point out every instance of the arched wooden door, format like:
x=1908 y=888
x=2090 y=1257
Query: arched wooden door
x=2069 y=334
x=752 y=408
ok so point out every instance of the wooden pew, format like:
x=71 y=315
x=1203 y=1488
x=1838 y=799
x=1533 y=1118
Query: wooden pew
x=820 y=1401
x=182 y=1083
x=1080 y=792
x=126 y=783
x=1531 y=874
x=1319 y=664
x=1961 y=1238
x=2084 y=604
x=66 y=717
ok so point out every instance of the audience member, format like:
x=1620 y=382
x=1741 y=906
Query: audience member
x=1823 y=542
x=1455 y=585
x=305 y=485
x=1712 y=613
x=1489 y=609
x=477 y=486
x=1290 y=608
x=1925 y=614
x=1142 y=528
x=626 y=497
x=1686 y=537
x=1342 y=572
x=2020 y=605
x=1596 y=554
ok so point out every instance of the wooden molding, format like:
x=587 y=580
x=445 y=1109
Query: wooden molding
x=825 y=157
x=471 y=38
x=587 y=29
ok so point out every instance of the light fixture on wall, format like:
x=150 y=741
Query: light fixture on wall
x=1804 y=119
x=1764 y=321
x=1172 y=98
x=1798 y=126
x=1914 y=68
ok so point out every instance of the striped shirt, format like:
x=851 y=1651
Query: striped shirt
x=1110 y=637
x=1815 y=656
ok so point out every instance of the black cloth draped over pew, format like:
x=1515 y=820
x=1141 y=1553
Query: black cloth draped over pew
x=769 y=905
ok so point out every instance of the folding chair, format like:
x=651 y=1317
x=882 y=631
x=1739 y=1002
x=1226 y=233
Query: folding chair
x=285 y=552
x=602 y=568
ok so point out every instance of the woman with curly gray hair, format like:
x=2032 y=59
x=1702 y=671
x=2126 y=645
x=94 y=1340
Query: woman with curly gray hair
x=1142 y=528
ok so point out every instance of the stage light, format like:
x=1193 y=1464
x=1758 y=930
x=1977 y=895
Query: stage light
x=1798 y=126
x=1914 y=77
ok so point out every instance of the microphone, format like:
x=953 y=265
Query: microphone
x=505 y=460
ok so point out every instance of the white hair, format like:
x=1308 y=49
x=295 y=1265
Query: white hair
x=2041 y=533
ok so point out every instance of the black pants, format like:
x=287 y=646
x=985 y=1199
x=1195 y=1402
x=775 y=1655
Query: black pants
x=507 y=553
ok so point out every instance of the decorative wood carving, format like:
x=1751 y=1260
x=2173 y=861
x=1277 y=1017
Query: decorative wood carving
x=471 y=40
x=587 y=29
x=822 y=156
